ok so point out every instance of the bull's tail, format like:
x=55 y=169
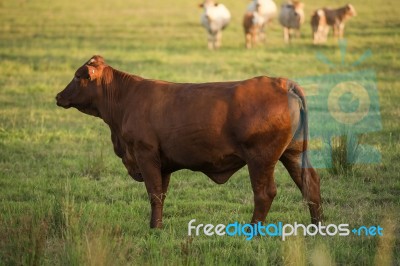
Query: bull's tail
x=303 y=128
x=309 y=181
x=309 y=177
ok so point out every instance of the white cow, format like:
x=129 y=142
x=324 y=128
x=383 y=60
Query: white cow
x=214 y=18
x=267 y=9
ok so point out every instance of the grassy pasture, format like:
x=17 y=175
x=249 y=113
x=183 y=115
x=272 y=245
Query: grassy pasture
x=65 y=198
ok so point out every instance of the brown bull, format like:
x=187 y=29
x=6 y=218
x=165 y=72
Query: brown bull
x=159 y=127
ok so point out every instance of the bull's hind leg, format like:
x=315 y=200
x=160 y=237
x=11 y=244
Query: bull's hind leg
x=211 y=41
x=218 y=40
x=306 y=179
x=264 y=188
x=286 y=35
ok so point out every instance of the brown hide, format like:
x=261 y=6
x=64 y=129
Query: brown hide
x=159 y=127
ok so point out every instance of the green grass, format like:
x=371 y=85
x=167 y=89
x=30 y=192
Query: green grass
x=65 y=198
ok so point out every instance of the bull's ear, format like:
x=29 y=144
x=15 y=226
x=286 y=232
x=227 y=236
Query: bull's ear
x=95 y=67
x=92 y=73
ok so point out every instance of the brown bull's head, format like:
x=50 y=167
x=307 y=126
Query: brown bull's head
x=84 y=88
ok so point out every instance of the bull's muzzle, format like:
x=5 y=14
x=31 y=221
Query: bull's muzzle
x=61 y=102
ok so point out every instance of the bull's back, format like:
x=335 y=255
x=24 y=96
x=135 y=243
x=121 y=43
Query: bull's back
x=223 y=104
x=208 y=123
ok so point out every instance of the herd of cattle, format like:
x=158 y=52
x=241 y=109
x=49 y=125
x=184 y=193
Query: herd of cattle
x=260 y=13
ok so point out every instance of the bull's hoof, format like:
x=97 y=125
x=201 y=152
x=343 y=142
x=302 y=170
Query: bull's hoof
x=156 y=225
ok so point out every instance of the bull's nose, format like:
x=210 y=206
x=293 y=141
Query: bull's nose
x=59 y=101
x=58 y=98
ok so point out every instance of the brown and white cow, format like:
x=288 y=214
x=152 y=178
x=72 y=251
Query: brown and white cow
x=267 y=10
x=159 y=127
x=324 y=18
x=253 y=23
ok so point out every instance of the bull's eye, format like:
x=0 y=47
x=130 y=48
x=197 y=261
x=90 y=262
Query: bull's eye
x=89 y=78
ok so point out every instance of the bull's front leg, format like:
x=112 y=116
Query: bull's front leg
x=341 y=30
x=248 y=39
x=211 y=40
x=336 y=30
x=156 y=185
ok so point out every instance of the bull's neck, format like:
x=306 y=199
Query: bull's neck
x=115 y=87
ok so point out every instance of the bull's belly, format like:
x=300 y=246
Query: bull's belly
x=218 y=169
x=222 y=172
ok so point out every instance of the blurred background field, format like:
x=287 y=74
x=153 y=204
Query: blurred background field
x=65 y=198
